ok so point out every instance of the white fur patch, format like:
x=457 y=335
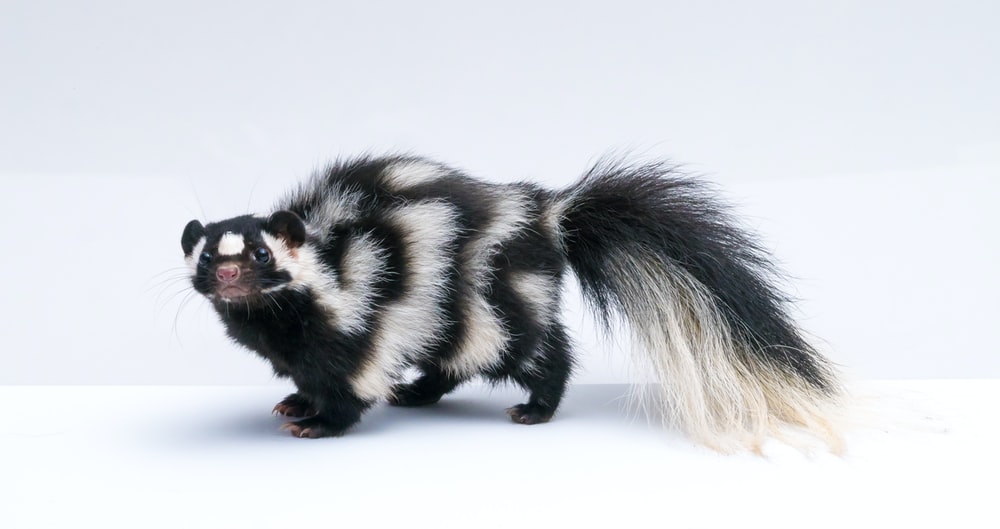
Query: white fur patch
x=410 y=325
x=483 y=340
x=347 y=300
x=540 y=292
x=363 y=264
x=705 y=384
x=302 y=265
x=231 y=244
x=192 y=260
x=550 y=219
x=331 y=204
x=334 y=207
x=410 y=173
x=485 y=336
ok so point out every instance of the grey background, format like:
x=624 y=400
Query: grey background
x=860 y=139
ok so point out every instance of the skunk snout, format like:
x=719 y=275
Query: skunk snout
x=228 y=274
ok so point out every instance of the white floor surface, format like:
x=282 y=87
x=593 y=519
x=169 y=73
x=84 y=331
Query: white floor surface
x=168 y=456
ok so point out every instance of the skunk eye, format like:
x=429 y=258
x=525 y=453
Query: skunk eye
x=204 y=259
x=261 y=255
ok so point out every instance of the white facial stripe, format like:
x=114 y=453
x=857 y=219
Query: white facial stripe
x=283 y=259
x=231 y=244
x=304 y=266
x=192 y=260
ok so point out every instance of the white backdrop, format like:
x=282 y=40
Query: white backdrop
x=861 y=139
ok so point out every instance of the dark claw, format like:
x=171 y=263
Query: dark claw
x=311 y=428
x=295 y=406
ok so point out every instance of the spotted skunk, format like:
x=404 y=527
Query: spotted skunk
x=398 y=278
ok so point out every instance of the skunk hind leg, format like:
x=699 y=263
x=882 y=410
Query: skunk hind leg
x=432 y=384
x=544 y=374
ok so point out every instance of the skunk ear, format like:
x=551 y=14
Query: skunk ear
x=193 y=232
x=288 y=226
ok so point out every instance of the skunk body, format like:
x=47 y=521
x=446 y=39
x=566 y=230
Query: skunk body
x=381 y=268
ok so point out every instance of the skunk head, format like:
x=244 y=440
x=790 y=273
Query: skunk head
x=240 y=260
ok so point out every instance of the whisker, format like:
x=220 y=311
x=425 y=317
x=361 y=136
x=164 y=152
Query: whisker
x=272 y=304
x=168 y=270
x=174 y=329
x=197 y=198
x=161 y=304
x=252 y=189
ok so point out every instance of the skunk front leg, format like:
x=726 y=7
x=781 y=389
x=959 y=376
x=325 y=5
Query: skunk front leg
x=336 y=411
x=295 y=406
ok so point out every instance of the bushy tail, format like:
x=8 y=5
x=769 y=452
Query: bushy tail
x=655 y=249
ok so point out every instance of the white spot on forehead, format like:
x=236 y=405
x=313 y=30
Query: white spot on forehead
x=231 y=244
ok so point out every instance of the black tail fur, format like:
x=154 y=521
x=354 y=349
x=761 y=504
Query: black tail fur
x=655 y=248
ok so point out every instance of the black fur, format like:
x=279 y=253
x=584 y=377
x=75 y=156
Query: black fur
x=653 y=207
x=615 y=206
